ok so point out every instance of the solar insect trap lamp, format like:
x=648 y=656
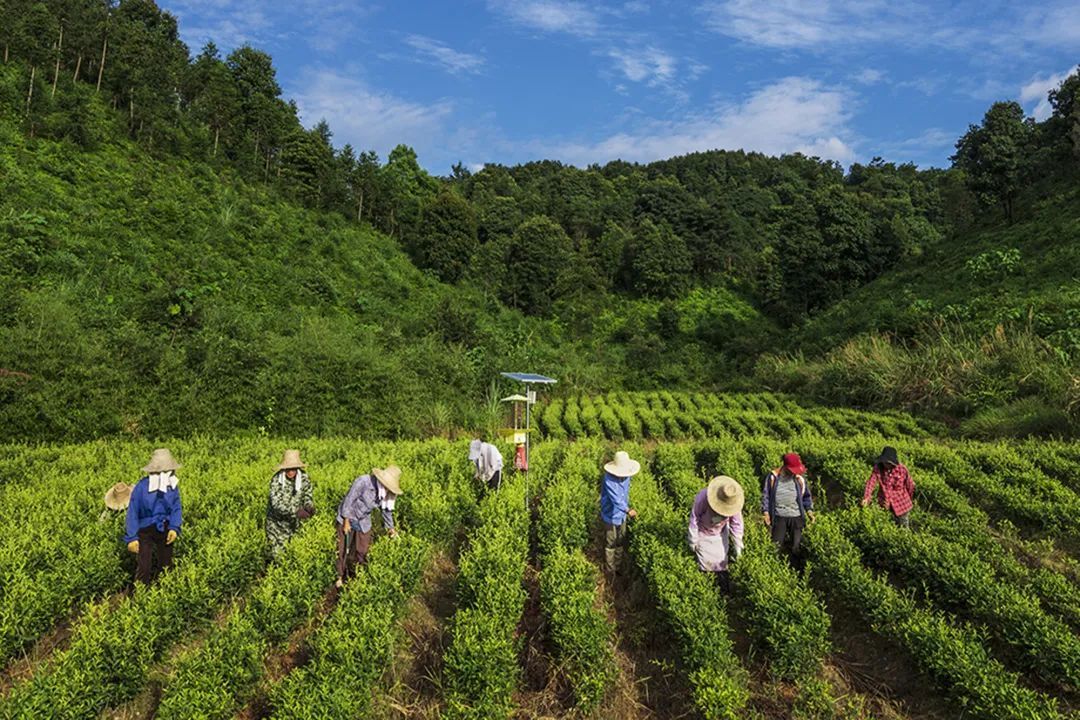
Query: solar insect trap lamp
x=520 y=435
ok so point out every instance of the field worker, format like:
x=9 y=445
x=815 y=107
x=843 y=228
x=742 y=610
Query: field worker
x=716 y=527
x=377 y=490
x=897 y=488
x=615 y=506
x=786 y=502
x=488 y=461
x=153 y=516
x=290 y=501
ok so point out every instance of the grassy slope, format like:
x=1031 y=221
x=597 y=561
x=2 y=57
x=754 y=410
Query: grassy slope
x=1044 y=290
x=159 y=296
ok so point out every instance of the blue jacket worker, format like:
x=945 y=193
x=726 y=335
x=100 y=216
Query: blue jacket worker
x=615 y=506
x=154 y=516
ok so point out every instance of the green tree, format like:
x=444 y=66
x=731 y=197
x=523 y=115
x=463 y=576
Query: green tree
x=305 y=160
x=995 y=155
x=212 y=94
x=446 y=240
x=538 y=252
x=1065 y=100
x=661 y=264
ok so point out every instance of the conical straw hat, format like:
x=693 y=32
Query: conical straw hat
x=161 y=461
x=118 y=496
x=623 y=466
x=725 y=495
x=291 y=460
x=390 y=478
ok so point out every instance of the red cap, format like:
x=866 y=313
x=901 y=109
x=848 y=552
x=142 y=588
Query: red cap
x=793 y=464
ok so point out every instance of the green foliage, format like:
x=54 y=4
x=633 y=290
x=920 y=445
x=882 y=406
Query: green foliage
x=354 y=645
x=536 y=257
x=661 y=263
x=481 y=668
x=996 y=155
x=994 y=264
x=959 y=581
x=948 y=651
x=447 y=241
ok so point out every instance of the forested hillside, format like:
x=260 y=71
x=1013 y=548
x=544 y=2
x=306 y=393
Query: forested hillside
x=181 y=254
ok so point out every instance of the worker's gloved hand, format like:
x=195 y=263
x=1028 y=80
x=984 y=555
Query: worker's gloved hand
x=631 y=513
x=170 y=537
x=133 y=546
x=305 y=512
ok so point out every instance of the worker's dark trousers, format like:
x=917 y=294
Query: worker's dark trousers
x=782 y=527
x=357 y=552
x=152 y=542
x=495 y=481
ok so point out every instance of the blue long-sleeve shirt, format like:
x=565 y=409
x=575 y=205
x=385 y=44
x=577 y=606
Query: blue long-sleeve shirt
x=614 y=499
x=363 y=497
x=152 y=508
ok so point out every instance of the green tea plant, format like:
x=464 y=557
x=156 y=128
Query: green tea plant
x=354 y=645
x=481 y=669
x=957 y=580
x=948 y=651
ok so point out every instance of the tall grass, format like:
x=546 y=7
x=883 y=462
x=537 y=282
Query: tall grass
x=1005 y=382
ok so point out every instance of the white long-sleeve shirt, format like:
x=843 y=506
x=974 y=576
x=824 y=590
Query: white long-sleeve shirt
x=488 y=460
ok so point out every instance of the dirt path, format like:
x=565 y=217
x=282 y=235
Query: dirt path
x=22 y=668
x=283 y=659
x=413 y=682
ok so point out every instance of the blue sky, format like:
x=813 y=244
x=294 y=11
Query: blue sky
x=515 y=80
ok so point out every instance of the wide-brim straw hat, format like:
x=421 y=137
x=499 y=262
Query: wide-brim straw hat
x=161 y=461
x=725 y=495
x=390 y=478
x=291 y=461
x=118 y=496
x=622 y=465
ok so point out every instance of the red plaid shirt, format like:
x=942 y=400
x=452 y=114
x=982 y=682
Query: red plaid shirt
x=897 y=489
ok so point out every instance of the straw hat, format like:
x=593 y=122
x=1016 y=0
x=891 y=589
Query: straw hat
x=622 y=465
x=161 y=461
x=389 y=477
x=291 y=461
x=118 y=496
x=474 y=449
x=725 y=495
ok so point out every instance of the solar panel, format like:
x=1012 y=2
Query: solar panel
x=529 y=378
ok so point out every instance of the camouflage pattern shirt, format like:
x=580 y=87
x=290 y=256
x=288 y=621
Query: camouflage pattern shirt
x=285 y=500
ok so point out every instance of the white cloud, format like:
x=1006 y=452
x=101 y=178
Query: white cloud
x=802 y=23
x=574 y=18
x=650 y=65
x=1037 y=89
x=791 y=115
x=868 y=76
x=1055 y=24
x=323 y=25
x=437 y=53
x=366 y=117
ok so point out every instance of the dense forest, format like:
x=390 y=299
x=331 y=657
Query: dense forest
x=181 y=254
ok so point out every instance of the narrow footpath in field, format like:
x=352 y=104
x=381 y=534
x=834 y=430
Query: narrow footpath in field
x=411 y=687
x=650 y=685
x=283 y=659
